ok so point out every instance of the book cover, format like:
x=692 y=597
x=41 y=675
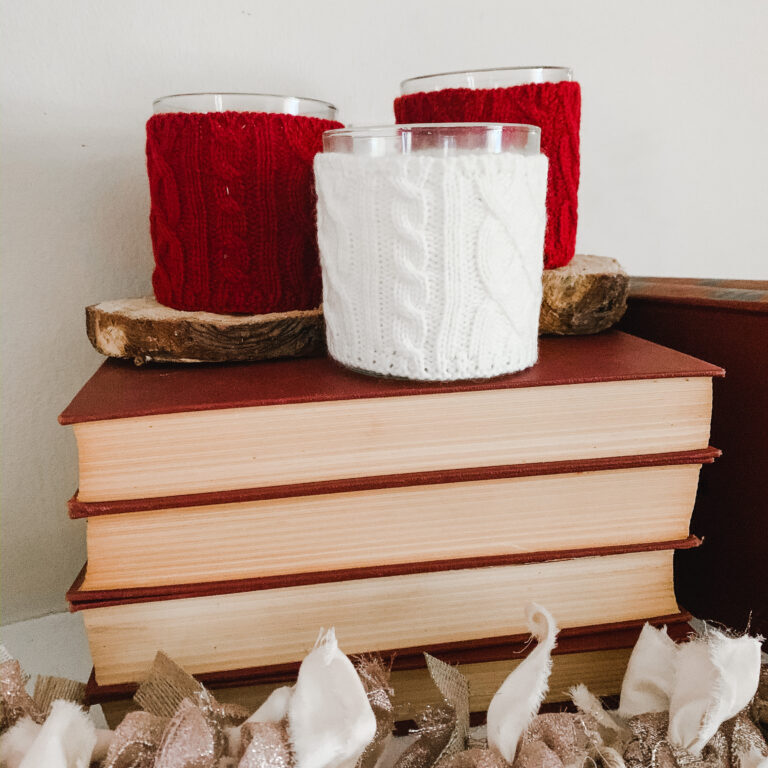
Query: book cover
x=725 y=321
x=120 y=390
x=83 y=509
x=80 y=599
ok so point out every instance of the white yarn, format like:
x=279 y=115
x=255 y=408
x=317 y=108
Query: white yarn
x=432 y=265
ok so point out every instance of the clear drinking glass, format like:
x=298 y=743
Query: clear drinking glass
x=434 y=138
x=244 y=102
x=504 y=77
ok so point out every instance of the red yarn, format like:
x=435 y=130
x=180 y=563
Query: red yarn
x=233 y=210
x=555 y=108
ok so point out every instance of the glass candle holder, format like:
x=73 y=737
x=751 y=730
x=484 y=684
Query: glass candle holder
x=244 y=102
x=435 y=139
x=232 y=197
x=506 y=77
x=544 y=96
x=431 y=239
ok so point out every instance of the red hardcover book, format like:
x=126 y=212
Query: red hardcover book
x=411 y=608
x=299 y=531
x=725 y=321
x=83 y=599
x=169 y=431
x=120 y=390
x=83 y=509
x=595 y=655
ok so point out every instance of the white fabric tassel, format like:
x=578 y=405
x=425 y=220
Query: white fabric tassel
x=65 y=740
x=273 y=710
x=715 y=678
x=647 y=684
x=15 y=743
x=330 y=722
x=518 y=699
x=587 y=703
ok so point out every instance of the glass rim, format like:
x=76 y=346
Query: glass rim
x=397 y=128
x=309 y=99
x=546 y=67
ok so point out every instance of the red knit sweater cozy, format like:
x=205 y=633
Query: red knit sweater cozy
x=233 y=210
x=555 y=108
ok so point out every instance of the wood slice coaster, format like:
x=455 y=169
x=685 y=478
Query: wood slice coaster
x=146 y=331
x=586 y=296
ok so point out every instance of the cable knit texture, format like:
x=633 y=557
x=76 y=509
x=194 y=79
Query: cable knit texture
x=555 y=108
x=432 y=265
x=233 y=210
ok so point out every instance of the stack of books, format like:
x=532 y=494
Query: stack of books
x=234 y=510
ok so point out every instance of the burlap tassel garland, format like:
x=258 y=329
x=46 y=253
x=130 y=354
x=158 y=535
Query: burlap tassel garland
x=454 y=688
x=374 y=675
x=136 y=741
x=192 y=739
x=559 y=739
x=435 y=728
x=165 y=687
x=194 y=735
x=475 y=757
x=734 y=740
x=183 y=726
x=759 y=708
x=168 y=685
x=44 y=726
x=442 y=731
x=49 y=689
x=267 y=746
x=15 y=702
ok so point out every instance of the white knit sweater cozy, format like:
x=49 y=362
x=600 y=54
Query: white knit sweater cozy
x=432 y=264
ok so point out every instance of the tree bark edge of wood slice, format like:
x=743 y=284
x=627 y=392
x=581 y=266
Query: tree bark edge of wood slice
x=145 y=331
x=587 y=296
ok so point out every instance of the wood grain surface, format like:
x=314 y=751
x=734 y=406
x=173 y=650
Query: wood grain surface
x=584 y=297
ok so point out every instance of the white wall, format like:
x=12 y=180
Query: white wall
x=674 y=169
